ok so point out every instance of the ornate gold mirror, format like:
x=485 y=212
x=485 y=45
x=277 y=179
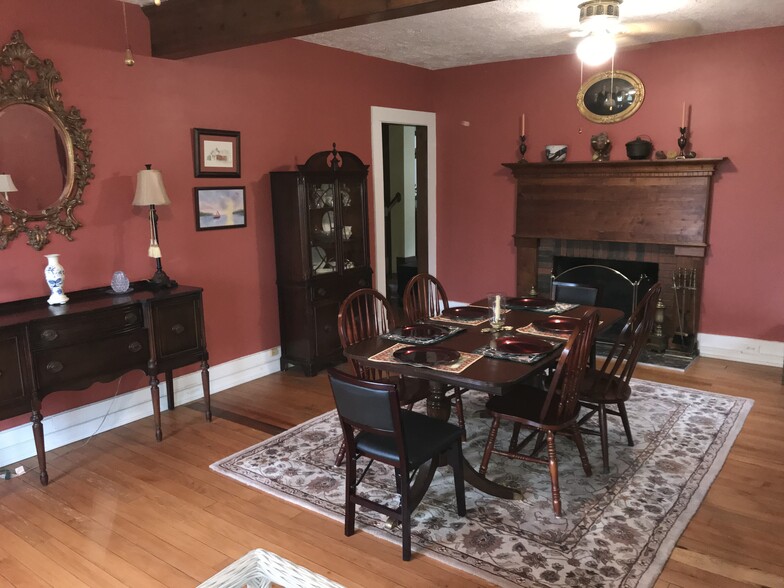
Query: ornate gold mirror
x=610 y=96
x=44 y=150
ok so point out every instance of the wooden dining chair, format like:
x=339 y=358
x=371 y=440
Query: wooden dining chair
x=366 y=314
x=423 y=298
x=374 y=427
x=609 y=385
x=546 y=413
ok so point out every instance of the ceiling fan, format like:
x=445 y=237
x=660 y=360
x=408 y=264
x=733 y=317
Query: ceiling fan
x=602 y=31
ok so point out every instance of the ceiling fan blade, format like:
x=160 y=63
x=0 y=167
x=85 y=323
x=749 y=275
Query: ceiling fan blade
x=671 y=29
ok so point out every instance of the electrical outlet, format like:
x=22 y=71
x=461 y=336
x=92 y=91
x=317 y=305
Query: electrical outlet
x=275 y=351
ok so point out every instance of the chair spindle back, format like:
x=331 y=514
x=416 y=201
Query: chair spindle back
x=423 y=298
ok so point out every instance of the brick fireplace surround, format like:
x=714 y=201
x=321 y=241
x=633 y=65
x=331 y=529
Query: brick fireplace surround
x=655 y=211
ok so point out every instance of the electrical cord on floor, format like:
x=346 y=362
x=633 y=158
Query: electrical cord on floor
x=105 y=416
x=7 y=474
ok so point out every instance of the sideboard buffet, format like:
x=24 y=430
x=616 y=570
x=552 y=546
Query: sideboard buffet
x=97 y=337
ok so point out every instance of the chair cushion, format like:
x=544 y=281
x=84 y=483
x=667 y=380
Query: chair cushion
x=525 y=403
x=424 y=437
x=603 y=388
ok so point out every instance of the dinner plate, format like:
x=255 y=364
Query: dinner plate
x=424 y=331
x=522 y=345
x=530 y=302
x=328 y=222
x=427 y=355
x=317 y=257
x=465 y=312
x=559 y=324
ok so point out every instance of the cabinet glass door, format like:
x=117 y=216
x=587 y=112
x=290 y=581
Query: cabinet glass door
x=322 y=226
x=352 y=223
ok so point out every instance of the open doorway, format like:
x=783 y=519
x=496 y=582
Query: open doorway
x=389 y=243
x=405 y=206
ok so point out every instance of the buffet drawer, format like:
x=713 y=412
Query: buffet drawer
x=66 y=330
x=74 y=367
x=177 y=324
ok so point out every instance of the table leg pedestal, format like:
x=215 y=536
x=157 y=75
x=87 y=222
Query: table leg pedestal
x=438 y=406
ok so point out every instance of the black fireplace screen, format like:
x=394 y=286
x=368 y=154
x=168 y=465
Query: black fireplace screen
x=620 y=284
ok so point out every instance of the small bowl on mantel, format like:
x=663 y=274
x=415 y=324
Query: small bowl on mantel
x=555 y=153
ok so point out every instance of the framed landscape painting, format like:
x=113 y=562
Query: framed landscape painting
x=219 y=208
x=216 y=153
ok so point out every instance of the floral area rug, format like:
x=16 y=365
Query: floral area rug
x=618 y=529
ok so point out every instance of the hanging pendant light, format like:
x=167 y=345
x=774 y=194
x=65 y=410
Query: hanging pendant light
x=129 y=60
x=596 y=49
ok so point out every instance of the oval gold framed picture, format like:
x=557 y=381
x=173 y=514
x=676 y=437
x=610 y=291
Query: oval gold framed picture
x=610 y=96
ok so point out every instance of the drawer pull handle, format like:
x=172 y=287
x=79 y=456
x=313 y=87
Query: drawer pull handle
x=362 y=284
x=134 y=347
x=54 y=367
x=321 y=292
x=131 y=318
x=327 y=328
x=49 y=335
x=178 y=329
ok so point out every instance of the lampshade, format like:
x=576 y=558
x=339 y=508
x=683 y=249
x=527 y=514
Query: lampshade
x=6 y=183
x=596 y=48
x=150 y=189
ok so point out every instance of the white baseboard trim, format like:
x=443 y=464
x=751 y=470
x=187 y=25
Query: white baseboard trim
x=755 y=351
x=80 y=423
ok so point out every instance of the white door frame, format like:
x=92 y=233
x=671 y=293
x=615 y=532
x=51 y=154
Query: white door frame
x=379 y=116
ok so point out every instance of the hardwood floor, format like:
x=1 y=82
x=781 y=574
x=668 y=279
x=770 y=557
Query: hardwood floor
x=123 y=510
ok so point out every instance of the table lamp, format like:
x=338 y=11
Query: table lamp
x=7 y=185
x=151 y=192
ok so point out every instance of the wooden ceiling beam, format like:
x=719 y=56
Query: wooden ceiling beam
x=184 y=28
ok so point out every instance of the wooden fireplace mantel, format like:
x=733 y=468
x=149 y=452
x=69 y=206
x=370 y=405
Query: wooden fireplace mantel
x=664 y=202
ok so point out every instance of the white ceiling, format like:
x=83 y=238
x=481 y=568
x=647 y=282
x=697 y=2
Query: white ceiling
x=520 y=29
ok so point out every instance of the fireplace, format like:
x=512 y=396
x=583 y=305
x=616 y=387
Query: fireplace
x=610 y=214
x=619 y=283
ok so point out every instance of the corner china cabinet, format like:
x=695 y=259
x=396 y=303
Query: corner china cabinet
x=321 y=252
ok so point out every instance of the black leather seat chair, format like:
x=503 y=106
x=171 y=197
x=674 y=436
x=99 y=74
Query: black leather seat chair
x=376 y=428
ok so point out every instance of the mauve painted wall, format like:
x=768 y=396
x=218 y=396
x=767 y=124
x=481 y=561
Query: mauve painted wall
x=734 y=85
x=288 y=99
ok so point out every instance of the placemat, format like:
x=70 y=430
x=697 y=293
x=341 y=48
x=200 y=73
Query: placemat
x=488 y=351
x=395 y=335
x=466 y=359
x=532 y=330
x=462 y=321
x=557 y=308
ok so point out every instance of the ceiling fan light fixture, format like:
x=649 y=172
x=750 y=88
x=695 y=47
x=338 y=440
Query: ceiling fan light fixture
x=596 y=48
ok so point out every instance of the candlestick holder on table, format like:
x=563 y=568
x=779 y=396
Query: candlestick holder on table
x=523 y=149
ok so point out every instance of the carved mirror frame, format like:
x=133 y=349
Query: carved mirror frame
x=27 y=79
x=629 y=86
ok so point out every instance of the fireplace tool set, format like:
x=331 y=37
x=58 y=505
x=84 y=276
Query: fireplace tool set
x=684 y=283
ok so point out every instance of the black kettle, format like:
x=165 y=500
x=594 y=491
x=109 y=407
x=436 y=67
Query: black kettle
x=639 y=148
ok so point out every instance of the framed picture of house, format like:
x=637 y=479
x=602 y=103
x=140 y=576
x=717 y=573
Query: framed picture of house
x=219 y=208
x=216 y=153
x=610 y=96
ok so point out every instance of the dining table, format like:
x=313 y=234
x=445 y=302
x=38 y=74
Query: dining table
x=496 y=376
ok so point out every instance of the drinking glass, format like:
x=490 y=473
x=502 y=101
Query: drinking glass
x=495 y=304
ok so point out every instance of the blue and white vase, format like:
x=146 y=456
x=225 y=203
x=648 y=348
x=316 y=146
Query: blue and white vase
x=55 y=276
